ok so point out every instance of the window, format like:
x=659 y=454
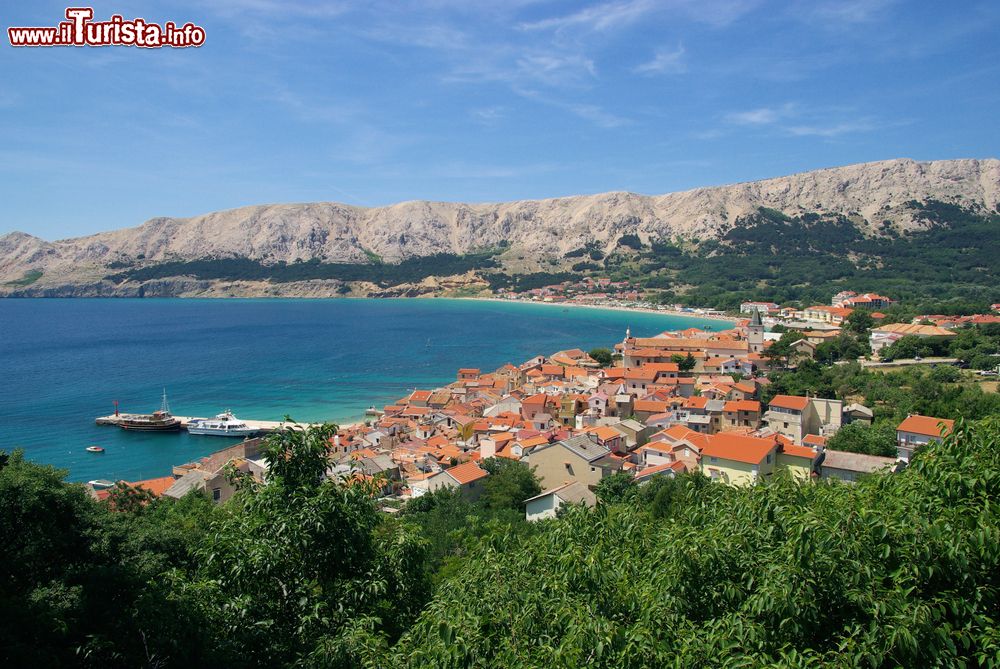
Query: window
x=713 y=459
x=768 y=458
x=216 y=494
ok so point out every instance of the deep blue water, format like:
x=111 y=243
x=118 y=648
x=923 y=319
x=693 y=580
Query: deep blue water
x=64 y=362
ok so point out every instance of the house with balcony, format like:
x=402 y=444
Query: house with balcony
x=795 y=417
x=917 y=431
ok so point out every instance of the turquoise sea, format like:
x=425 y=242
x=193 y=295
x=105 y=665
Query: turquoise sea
x=64 y=362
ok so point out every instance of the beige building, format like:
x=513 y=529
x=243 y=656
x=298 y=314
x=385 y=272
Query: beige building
x=795 y=417
x=467 y=477
x=547 y=504
x=737 y=459
x=581 y=458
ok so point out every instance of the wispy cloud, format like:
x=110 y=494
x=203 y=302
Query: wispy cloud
x=760 y=116
x=598 y=115
x=599 y=17
x=793 y=120
x=840 y=13
x=664 y=62
x=284 y=8
x=424 y=35
x=488 y=115
x=832 y=130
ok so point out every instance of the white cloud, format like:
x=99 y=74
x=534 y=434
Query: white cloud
x=761 y=115
x=832 y=130
x=664 y=62
x=597 y=115
x=600 y=17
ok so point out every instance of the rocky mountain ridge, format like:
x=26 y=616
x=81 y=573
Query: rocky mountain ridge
x=869 y=193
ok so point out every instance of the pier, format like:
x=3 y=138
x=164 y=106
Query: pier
x=263 y=426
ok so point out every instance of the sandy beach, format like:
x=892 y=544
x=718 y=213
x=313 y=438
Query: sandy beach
x=608 y=307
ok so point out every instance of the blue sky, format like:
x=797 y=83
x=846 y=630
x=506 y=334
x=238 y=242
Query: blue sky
x=377 y=102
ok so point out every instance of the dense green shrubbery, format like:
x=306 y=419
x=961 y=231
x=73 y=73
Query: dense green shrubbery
x=408 y=271
x=898 y=570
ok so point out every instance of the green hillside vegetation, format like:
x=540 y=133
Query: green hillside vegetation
x=31 y=276
x=411 y=270
x=899 y=570
x=771 y=256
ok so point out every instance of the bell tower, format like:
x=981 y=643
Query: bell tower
x=755 y=332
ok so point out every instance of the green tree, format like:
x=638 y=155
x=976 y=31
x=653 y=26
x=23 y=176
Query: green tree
x=82 y=585
x=779 y=353
x=868 y=439
x=510 y=483
x=616 y=488
x=860 y=321
x=685 y=363
x=602 y=356
x=306 y=570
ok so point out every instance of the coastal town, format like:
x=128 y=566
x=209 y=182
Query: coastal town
x=689 y=401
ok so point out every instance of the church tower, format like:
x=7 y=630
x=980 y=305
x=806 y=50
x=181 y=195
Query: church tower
x=755 y=332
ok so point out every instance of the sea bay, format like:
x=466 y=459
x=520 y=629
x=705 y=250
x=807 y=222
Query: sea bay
x=65 y=361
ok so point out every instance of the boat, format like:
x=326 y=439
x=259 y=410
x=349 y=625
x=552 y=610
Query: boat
x=158 y=421
x=101 y=484
x=95 y=449
x=224 y=424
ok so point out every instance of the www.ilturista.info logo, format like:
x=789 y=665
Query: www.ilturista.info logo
x=80 y=30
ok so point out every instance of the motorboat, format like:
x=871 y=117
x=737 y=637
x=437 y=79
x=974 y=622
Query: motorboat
x=224 y=424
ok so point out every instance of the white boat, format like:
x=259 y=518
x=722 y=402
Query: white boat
x=223 y=425
x=100 y=484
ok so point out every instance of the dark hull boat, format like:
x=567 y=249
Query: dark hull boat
x=158 y=421
x=154 y=422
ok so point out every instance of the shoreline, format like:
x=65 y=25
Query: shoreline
x=600 y=307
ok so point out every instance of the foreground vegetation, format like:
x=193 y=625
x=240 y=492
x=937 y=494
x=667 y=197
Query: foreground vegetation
x=899 y=570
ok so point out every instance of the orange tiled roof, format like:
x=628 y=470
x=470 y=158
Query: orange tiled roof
x=742 y=405
x=798 y=451
x=696 y=402
x=790 y=402
x=466 y=473
x=156 y=486
x=605 y=432
x=738 y=447
x=926 y=425
x=651 y=406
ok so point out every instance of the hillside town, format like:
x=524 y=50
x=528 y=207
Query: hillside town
x=678 y=402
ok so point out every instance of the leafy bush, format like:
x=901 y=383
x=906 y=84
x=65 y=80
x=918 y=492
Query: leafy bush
x=897 y=570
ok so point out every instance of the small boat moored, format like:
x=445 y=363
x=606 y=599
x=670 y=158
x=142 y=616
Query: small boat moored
x=95 y=449
x=101 y=484
x=224 y=424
